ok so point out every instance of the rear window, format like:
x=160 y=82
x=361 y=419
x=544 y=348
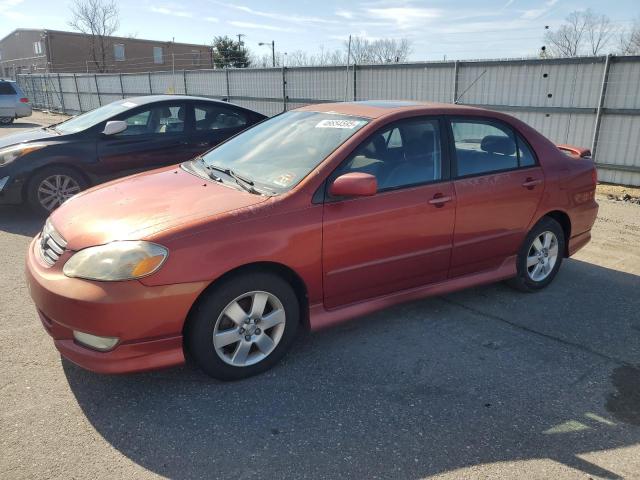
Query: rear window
x=6 y=89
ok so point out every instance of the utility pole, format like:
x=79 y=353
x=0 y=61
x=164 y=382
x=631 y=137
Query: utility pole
x=346 y=78
x=273 y=51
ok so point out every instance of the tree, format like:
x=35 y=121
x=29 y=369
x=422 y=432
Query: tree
x=584 y=32
x=385 y=50
x=99 y=19
x=228 y=52
x=630 y=39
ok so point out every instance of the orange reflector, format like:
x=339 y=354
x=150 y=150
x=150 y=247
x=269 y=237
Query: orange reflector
x=146 y=266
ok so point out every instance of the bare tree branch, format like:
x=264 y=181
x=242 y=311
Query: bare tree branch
x=99 y=19
x=583 y=33
x=630 y=39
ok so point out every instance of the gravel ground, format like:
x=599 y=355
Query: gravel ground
x=484 y=383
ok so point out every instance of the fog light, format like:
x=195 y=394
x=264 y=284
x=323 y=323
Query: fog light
x=95 y=342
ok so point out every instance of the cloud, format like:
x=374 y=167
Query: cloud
x=212 y=19
x=533 y=13
x=282 y=17
x=171 y=12
x=405 y=17
x=260 y=26
x=344 y=13
x=6 y=7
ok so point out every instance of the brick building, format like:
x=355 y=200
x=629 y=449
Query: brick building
x=54 y=51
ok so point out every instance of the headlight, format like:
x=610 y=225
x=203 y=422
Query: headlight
x=120 y=260
x=9 y=154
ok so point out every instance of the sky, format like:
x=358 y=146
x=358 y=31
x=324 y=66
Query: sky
x=457 y=29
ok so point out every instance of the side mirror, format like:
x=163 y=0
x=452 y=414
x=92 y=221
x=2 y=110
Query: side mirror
x=355 y=184
x=114 y=126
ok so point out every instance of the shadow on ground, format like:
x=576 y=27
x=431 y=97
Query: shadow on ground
x=476 y=377
x=20 y=220
x=20 y=125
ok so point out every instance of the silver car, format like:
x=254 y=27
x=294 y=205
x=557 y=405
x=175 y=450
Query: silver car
x=13 y=102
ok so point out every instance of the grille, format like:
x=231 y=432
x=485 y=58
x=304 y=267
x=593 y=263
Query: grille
x=51 y=245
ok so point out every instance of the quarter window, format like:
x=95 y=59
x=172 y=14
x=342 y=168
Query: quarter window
x=483 y=147
x=214 y=117
x=525 y=155
x=406 y=154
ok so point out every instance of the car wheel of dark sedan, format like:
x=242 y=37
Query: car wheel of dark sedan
x=49 y=188
x=540 y=256
x=243 y=326
x=6 y=120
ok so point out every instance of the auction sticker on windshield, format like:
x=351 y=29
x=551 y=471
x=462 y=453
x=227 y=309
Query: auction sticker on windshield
x=350 y=124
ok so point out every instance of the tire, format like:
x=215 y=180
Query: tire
x=6 y=120
x=227 y=361
x=63 y=181
x=532 y=277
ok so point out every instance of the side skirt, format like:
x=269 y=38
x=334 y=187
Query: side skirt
x=321 y=318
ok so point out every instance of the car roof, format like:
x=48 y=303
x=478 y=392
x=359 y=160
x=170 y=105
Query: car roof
x=145 y=99
x=379 y=108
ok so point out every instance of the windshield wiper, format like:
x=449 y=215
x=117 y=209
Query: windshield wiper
x=244 y=182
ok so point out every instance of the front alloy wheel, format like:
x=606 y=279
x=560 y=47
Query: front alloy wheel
x=249 y=328
x=54 y=190
x=242 y=325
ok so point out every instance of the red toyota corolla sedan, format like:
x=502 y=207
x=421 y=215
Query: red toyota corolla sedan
x=312 y=217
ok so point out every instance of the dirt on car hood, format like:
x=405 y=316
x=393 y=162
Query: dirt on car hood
x=143 y=205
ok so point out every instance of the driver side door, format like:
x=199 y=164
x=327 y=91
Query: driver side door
x=401 y=237
x=156 y=135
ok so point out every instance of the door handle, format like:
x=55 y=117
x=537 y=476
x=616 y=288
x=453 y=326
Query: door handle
x=439 y=200
x=530 y=183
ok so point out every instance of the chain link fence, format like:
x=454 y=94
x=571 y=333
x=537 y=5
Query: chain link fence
x=586 y=101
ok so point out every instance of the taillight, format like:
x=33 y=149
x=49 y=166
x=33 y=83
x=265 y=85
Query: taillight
x=594 y=176
x=24 y=100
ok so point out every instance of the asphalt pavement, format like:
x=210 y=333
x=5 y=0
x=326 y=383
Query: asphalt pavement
x=484 y=383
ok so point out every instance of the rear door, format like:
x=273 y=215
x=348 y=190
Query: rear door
x=498 y=186
x=156 y=135
x=401 y=237
x=214 y=123
x=8 y=98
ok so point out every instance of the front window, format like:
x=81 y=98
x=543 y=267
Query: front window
x=280 y=152
x=93 y=117
x=37 y=48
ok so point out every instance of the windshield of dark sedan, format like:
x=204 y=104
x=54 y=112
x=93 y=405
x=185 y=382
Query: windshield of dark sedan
x=281 y=151
x=91 y=118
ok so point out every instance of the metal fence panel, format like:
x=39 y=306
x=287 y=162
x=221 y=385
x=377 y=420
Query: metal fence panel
x=423 y=82
x=559 y=97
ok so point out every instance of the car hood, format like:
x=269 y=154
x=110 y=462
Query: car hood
x=143 y=205
x=29 y=136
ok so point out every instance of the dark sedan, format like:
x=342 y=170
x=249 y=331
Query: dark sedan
x=46 y=166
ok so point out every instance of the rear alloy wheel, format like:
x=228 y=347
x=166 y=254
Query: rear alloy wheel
x=52 y=187
x=243 y=326
x=540 y=256
x=6 y=120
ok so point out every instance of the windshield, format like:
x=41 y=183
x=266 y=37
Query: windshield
x=93 y=117
x=281 y=151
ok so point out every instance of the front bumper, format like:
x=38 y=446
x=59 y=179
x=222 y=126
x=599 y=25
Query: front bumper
x=11 y=191
x=148 y=321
